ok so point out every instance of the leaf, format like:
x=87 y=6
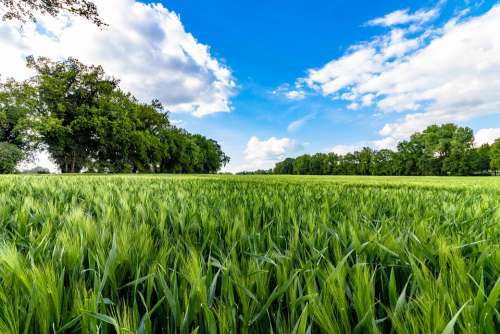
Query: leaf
x=300 y=326
x=211 y=290
x=449 y=327
x=137 y=281
x=209 y=320
x=402 y=298
x=361 y=324
x=392 y=289
x=103 y=317
x=277 y=292
x=69 y=324
x=171 y=301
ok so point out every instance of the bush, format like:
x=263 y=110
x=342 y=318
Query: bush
x=10 y=156
x=37 y=170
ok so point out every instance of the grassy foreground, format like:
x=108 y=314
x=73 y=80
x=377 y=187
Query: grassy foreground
x=250 y=254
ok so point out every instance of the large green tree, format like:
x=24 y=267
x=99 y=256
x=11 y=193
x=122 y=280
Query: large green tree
x=69 y=96
x=127 y=134
x=439 y=150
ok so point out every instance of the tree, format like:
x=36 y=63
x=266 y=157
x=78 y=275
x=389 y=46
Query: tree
x=213 y=158
x=408 y=155
x=85 y=121
x=284 y=167
x=438 y=150
x=365 y=157
x=16 y=113
x=349 y=164
x=384 y=162
x=69 y=94
x=127 y=134
x=17 y=109
x=302 y=165
x=10 y=155
x=459 y=158
x=480 y=159
x=24 y=10
x=317 y=163
x=495 y=156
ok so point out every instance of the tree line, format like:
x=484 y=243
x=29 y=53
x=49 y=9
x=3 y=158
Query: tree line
x=438 y=150
x=87 y=123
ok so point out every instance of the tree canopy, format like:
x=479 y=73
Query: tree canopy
x=17 y=140
x=24 y=10
x=86 y=122
x=438 y=150
x=495 y=155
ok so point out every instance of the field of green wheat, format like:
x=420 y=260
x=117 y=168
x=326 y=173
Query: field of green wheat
x=249 y=254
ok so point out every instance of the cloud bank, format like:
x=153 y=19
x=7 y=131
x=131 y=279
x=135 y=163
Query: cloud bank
x=145 y=45
x=427 y=75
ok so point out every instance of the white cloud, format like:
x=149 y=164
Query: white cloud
x=450 y=74
x=385 y=143
x=367 y=100
x=263 y=154
x=361 y=63
x=343 y=149
x=403 y=16
x=486 y=136
x=297 y=124
x=353 y=106
x=296 y=93
x=177 y=122
x=145 y=45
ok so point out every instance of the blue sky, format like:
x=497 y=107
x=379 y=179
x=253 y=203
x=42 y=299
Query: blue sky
x=273 y=43
x=281 y=78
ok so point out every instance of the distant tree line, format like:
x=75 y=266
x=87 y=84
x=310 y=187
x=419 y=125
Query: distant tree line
x=438 y=150
x=85 y=122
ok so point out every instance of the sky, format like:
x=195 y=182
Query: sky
x=276 y=79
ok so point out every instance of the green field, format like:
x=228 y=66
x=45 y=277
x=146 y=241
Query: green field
x=249 y=254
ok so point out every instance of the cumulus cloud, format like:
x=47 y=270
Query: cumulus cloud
x=263 y=154
x=145 y=45
x=342 y=76
x=486 y=136
x=438 y=75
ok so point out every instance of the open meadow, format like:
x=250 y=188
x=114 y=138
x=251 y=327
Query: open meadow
x=249 y=254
